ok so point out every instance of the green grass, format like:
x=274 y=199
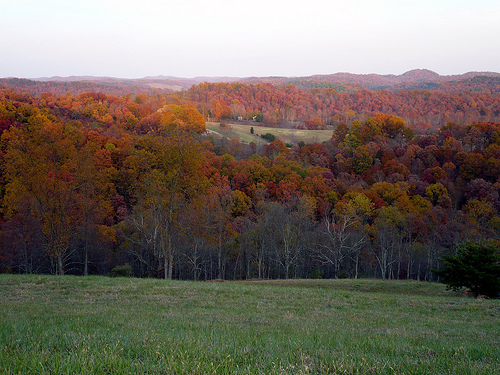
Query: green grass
x=293 y=136
x=99 y=325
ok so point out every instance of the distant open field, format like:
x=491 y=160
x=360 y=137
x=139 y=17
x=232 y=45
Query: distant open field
x=100 y=325
x=293 y=136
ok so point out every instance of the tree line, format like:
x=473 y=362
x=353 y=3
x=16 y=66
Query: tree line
x=323 y=106
x=92 y=181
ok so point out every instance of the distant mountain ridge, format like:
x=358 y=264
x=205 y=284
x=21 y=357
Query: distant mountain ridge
x=413 y=79
x=160 y=81
x=415 y=75
x=416 y=79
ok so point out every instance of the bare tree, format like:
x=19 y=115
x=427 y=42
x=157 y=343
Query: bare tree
x=344 y=230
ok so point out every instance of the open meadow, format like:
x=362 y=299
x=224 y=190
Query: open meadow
x=101 y=325
x=292 y=136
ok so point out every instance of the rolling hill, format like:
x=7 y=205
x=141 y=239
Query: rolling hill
x=417 y=79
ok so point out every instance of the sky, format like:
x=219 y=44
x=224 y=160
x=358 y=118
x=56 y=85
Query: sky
x=215 y=38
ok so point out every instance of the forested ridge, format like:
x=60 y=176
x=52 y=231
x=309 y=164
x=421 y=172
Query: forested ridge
x=93 y=181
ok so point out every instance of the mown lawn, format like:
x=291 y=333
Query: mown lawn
x=293 y=136
x=100 y=325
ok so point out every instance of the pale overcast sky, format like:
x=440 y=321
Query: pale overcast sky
x=188 y=38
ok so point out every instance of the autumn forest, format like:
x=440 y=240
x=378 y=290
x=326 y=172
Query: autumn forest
x=103 y=179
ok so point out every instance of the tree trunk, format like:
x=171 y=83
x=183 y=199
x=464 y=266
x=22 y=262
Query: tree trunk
x=60 y=269
x=195 y=261
x=86 y=266
x=219 y=245
x=356 y=267
x=219 y=264
x=165 y=267
x=168 y=260
x=170 y=265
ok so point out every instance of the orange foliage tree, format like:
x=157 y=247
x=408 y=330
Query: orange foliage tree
x=48 y=162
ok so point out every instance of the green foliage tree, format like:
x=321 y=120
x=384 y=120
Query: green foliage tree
x=269 y=136
x=435 y=191
x=362 y=159
x=476 y=266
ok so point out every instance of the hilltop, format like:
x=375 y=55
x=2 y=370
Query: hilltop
x=417 y=79
x=411 y=80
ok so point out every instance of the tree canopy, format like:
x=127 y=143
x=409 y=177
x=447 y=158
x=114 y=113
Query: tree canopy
x=92 y=181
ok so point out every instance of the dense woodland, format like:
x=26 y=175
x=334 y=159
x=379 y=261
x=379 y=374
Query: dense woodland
x=93 y=181
x=285 y=106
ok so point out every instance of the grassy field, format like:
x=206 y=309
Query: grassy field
x=99 y=325
x=293 y=136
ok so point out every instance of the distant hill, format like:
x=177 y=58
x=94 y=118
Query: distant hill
x=417 y=79
x=62 y=86
x=160 y=81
